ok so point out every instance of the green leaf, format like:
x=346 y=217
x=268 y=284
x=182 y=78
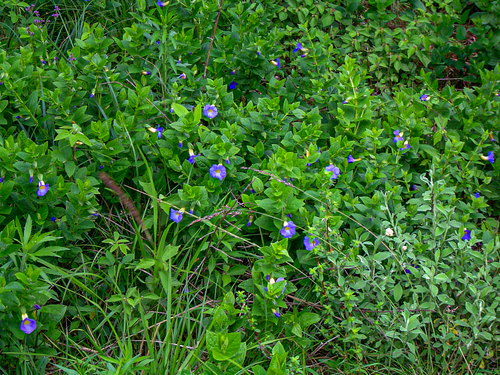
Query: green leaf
x=381 y=256
x=180 y=110
x=168 y=252
x=398 y=292
x=306 y=319
x=145 y=264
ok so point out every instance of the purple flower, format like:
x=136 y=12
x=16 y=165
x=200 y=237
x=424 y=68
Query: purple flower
x=232 y=72
x=334 y=169
x=218 y=171
x=258 y=53
x=288 y=229
x=210 y=111
x=477 y=195
x=36 y=307
x=424 y=97
x=146 y=73
x=91 y=95
x=180 y=144
x=298 y=47
x=227 y=161
x=176 y=216
x=53 y=218
x=249 y=223
x=31 y=179
x=492 y=139
x=1 y=179
x=345 y=101
x=490 y=157
x=310 y=245
x=276 y=313
x=232 y=85
x=182 y=76
x=43 y=188
x=27 y=325
x=398 y=136
x=466 y=235
x=414 y=187
x=407 y=270
x=162 y=3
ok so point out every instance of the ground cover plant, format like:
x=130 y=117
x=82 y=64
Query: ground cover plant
x=249 y=187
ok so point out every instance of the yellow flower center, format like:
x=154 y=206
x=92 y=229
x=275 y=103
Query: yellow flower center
x=210 y=111
x=26 y=322
x=286 y=228
x=217 y=171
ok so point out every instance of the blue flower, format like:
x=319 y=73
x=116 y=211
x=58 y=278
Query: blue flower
x=276 y=313
x=490 y=157
x=180 y=144
x=53 y=218
x=31 y=178
x=192 y=156
x=158 y=130
x=477 y=195
x=398 y=136
x=182 y=76
x=36 y=307
x=1 y=179
x=43 y=188
x=27 y=325
x=298 y=47
x=424 y=97
x=210 y=111
x=406 y=146
x=345 y=101
x=288 y=229
x=232 y=72
x=232 y=85
x=146 y=73
x=407 y=270
x=271 y=281
x=466 y=235
x=334 y=169
x=218 y=171
x=158 y=42
x=227 y=161
x=310 y=245
x=258 y=53
x=176 y=216
x=350 y=159
x=276 y=62
x=162 y=3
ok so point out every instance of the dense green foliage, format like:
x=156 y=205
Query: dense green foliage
x=289 y=187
